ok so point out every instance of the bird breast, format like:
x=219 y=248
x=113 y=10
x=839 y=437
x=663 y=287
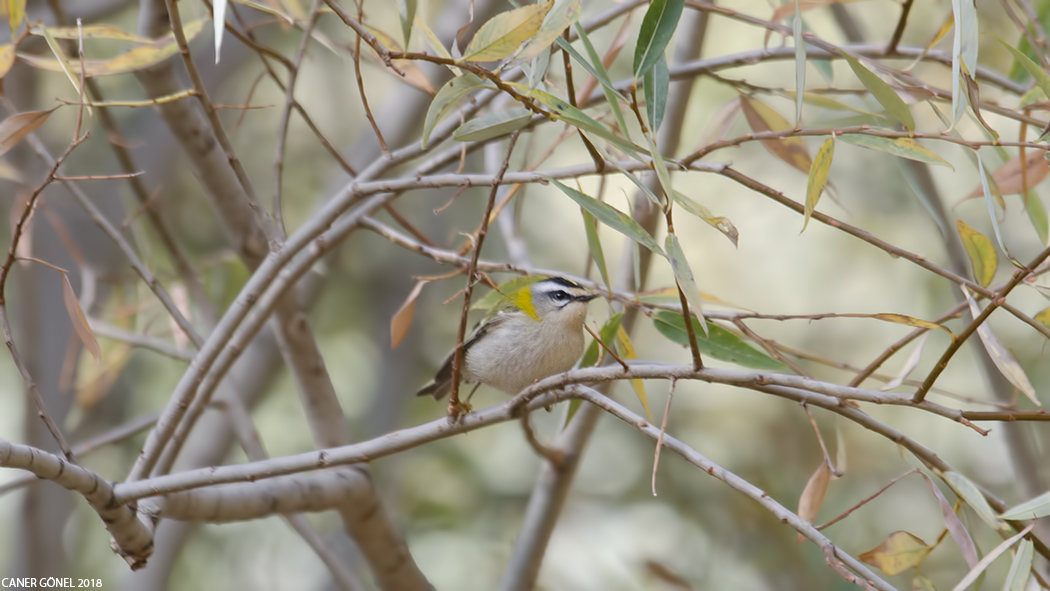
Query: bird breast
x=522 y=351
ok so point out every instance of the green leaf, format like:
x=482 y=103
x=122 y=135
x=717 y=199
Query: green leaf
x=1020 y=568
x=447 y=97
x=501 y=35
x=882 y=92
x=612 y=217
x=563 y=111
x=983 y=257
x=1036 y=71
x=964 y=51
x=969 y=492
x=818 y=177
x=656 y=82
x=991 y=212
x=1017 y=72
x=903 y=147
x=1037 y=213
x=722 y=224
x=492 y=297
x=659 y=23
x=719 y=343
x=590 y=226
x=560 y=17
x=406 y=9
x=612 y=96
x=684 y=276
x=492 y=125
x=800 y=64
x=1033 y=509
x=608 y=334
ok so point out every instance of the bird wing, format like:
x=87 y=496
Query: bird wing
x=442 y=382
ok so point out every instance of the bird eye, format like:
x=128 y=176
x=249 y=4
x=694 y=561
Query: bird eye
x=559 y=296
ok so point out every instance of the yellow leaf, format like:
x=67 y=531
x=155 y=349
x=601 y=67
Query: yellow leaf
x=1044 y=317
x=982 y=254
x=141 y=57
x=897 y=553
x=16 y=12
x=626 y=349
x=92 y=32
x=504 y=33
x=761 y=118
x=80 y=323
x=910 y=321
x=818 y=177
x=7 y=58
x=402 y=319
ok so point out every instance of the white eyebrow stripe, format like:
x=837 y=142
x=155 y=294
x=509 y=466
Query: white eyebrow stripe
x=548 y=286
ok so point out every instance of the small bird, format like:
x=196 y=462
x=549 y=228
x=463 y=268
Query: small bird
x=530 y=334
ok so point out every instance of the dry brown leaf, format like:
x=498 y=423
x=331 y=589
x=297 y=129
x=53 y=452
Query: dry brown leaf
x=80 y=323
x=402 y=319
x=762 y=118
x=1009 y=177
x=813 y=495
x=16 y=127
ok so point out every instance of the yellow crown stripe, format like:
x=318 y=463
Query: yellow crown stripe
x=522 y=299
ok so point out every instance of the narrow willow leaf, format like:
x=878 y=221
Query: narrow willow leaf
x=447 y=97
x=493 y=297
x=719 y=344
x=953 y=524
x=7 y=58
x=563 y=111
x=560 y=17
x=660 y=166
x=826 y=102
x=922 y=583
x=964 y=51
x=597 y=69
x=1015 y=177
x=659 y=23
x=684 y=276
x=434 y=43
x=983 y=257
x=903 y=147
x=882 y=92
x=1002 y=358
x=800 y=65
x=501 y=35
x=406 y=10
x=1020 y=568
x=897 y=553
x=608 y=334
x=911 y=321
x=492 y=125
x=968 y=491
x=612 y=217
x=1037 y=214
x=92 y=32
x=909 y=365
x=60 y=57
x=761 y=117
x=625 y=348
x=980 y=567
x=813 y=495
x=16 y=13
x=590 y=227
x=991 y=213
x=722 y=224
x=16 y=127
x=141 y=57
x=401 y=321
x=656 y=83
x=1033 y=509
x=818 y=177
x=80 y=323
x=1034 y=69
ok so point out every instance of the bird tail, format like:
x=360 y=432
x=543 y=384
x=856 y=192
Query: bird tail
x=437 y=388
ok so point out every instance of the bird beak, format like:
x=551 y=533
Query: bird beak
x=585 y=298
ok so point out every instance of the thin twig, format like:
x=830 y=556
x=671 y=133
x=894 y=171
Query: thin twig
x=663 y=431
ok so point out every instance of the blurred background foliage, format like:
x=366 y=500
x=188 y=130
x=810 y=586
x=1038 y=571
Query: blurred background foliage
x=460 y=501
